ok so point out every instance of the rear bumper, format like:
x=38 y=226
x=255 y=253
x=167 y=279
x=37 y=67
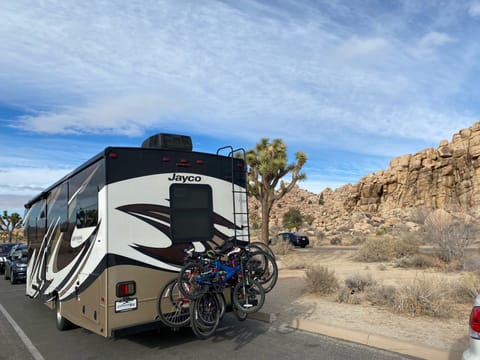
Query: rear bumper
x=300 y=243
x=473 y=352
x=20 y=275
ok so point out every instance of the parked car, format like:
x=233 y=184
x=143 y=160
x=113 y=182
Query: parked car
x=16 y=264
x=473 y=352
x=4 y=251
x=296 y=239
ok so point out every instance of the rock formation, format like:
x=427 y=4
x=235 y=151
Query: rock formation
x=445 y=177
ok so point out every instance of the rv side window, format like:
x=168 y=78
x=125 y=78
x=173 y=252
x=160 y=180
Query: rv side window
x=35 y=223
x=191 y=213
x=57 y=207
x=83 y=189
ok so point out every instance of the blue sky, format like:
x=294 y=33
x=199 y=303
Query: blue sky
x=351 y=83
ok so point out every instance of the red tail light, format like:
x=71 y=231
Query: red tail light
x=475 y=319
x=126 y=288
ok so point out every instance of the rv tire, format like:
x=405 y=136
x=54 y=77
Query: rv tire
x=62 y=323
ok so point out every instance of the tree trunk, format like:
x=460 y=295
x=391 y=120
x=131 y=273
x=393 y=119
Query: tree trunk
x=266 y=207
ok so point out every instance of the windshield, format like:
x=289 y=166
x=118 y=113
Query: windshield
x=20 y=253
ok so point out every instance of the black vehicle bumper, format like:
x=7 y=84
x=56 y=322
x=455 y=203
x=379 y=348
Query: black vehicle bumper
x=20 y=275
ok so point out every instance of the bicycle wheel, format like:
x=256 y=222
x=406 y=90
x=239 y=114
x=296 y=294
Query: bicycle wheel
x=257 y=245
x=239 y=314
x=205 y=315
x=248 y=296
x=173 y=307
x=190 y=280
x=262 y=267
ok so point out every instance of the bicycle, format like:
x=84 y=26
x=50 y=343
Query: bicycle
x=173 y=307
x=199 y=277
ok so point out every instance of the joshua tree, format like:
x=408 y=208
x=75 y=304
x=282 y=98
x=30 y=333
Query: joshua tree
x=8 y=223
x=267 y=165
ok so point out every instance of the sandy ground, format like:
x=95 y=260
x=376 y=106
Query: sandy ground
x=290 y=299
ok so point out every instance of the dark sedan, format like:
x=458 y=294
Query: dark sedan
x=4 y=251
x=16 y=264
x=296 y=239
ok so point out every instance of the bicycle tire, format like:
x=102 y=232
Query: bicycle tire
x=257 y=245
x=205 y=315
x=263 y=268
x=239 y=314
x=248 y=295
x=173 y=307
x=188 y=285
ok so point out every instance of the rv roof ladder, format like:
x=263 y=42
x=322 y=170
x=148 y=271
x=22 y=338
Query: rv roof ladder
x=240 y=197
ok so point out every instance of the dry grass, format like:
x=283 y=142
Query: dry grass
x=424 y=297
x=359 y=281
x=281 y=247
x=320 y=280
x=376 y=249
x=465 y=290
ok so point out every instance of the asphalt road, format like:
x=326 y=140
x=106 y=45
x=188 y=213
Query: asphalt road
x=27 y=331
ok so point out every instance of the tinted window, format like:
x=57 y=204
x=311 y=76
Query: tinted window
x=83 y=189
x=191 y=212
x=57 y=205
x=35 y=222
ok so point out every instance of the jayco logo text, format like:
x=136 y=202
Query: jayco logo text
x=185 y=178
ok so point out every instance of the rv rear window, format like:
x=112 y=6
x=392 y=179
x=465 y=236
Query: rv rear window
x=191 y=212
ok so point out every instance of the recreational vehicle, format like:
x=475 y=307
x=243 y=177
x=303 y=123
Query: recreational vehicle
x=106 y=239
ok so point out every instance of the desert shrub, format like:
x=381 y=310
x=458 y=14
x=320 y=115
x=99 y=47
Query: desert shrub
x=358 y=240
x=383 y=230
x=406 y=245
x=321 y=280
x=423 y=296
x=292 y=219
x=381 y=295
x=376 y=249
x=467 y=288
x=320 y=234
x=359 y=281
x=281 y=247
x=347 y=296
x=381 y=267
x=451 y=235
x=336 y=240
x=309 y=219
x=415 y=261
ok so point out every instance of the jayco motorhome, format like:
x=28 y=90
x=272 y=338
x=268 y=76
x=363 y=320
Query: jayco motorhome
x=105 y=239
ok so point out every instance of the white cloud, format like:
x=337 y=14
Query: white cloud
x=126 y=69
x=434 y=39
x=128 y=115
x=356 y=47
x=28 y=181
x=474 y=9
x=13 y=203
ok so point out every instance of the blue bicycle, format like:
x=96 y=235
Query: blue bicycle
x=211 y=274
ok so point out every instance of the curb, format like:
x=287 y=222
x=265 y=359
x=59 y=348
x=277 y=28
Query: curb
x=377 y=341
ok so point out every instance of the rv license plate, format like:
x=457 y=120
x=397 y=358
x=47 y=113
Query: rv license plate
x=125 y=305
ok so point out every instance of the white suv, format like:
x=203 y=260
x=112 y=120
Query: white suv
x=473 y=352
